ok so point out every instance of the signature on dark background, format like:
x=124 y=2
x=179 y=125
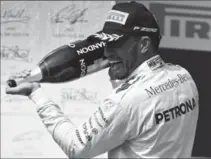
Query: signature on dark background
x=10 y=16
x=14 y=52
x=69 y=14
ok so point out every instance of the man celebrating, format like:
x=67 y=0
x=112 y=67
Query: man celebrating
x=152 y=114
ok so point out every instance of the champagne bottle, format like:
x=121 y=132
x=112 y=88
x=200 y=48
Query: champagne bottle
x=67 y=63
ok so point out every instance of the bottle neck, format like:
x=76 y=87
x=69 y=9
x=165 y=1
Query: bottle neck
x=35 y=75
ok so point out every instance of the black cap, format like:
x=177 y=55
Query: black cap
x=128 y=18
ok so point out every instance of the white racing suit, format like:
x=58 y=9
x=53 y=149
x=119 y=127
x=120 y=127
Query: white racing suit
x=152 y=115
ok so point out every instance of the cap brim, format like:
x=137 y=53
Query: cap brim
x=107 y=36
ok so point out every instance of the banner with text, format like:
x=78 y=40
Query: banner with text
x=32 y=29
x=184 y=24
x=29 y=31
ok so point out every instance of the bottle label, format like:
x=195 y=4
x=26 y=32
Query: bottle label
x=83 y=67
x=90 y=48
x=99 y=64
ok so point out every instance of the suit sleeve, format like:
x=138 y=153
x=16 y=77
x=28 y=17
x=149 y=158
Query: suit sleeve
x=105 y=129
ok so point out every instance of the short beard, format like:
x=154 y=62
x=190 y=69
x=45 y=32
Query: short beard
x=124 y=74
x=129 y=64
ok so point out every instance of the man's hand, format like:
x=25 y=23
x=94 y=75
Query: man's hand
x=24 y=88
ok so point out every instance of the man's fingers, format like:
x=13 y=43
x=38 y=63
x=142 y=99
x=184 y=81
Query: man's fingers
x=22 y=74
x=26 y=72
x=14 y=76
x=11 y=77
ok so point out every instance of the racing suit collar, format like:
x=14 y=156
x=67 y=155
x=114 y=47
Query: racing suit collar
x=149 y=65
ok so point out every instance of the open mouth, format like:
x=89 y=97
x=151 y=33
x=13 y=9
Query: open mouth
x=117 y=69
x=113 y=62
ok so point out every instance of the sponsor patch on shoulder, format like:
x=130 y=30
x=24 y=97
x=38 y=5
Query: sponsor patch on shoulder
x=155 y=63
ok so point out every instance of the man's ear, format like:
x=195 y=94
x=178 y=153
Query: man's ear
x=144 y=44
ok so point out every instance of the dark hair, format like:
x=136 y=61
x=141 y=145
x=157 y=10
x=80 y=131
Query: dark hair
x=155 y=40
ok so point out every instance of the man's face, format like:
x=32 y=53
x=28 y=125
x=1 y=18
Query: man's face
x=123 y=57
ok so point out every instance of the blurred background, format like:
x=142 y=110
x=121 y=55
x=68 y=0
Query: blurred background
x=31 y=29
